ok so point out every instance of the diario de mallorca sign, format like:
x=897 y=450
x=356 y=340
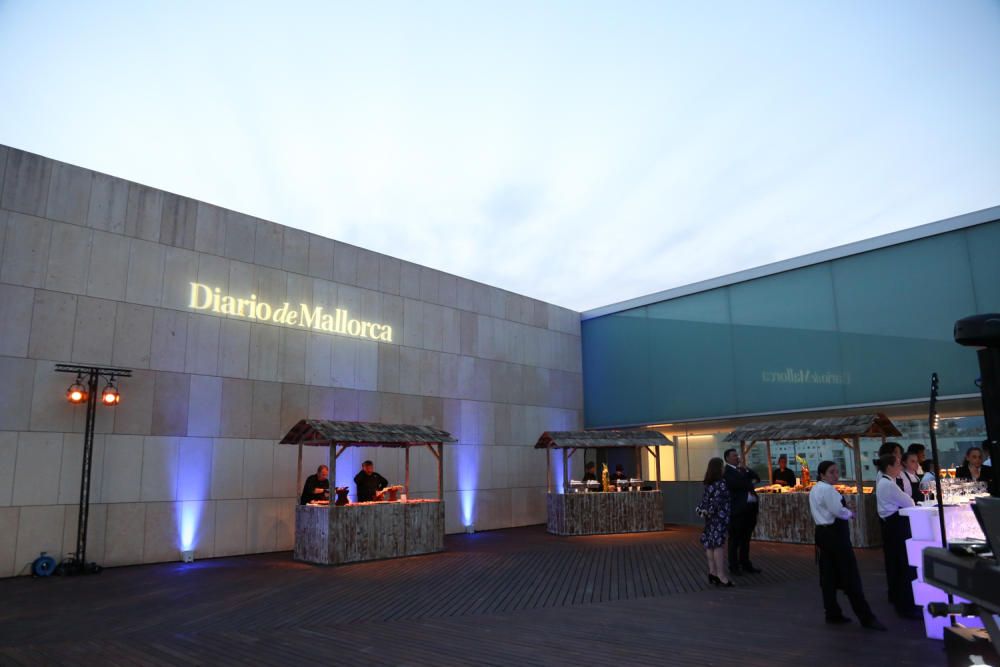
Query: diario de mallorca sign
x=804 y=376
x=206 y=298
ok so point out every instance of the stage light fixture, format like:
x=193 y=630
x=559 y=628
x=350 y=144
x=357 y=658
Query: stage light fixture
x=76 y=393
x=110 y=395
x=84 y=391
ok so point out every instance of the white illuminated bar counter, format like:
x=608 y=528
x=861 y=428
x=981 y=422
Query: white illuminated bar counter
x=925 y=527
x=331 y=534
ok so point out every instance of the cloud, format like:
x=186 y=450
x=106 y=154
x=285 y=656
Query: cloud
x=583 y=157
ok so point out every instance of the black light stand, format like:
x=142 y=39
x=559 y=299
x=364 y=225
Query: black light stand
x=91 y=375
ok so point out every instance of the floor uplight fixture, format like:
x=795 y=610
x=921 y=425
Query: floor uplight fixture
x=84 y=390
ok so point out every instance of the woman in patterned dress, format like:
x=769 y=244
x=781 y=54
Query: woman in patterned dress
x=714 y=508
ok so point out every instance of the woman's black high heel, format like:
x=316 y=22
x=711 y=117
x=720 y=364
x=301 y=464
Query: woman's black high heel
x=712 y=579
x=728 y=584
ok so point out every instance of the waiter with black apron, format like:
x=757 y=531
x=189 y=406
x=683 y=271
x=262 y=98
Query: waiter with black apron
x=895 y=531
x=837 y=566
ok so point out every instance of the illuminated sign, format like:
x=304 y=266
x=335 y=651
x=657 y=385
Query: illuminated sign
x=804 y=376
x=339 y=321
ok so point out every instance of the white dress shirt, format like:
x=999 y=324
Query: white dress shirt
x=911 y=480
x=890 y=497
x=826 y=505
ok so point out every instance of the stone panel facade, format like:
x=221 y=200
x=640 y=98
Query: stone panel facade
x=96 y=269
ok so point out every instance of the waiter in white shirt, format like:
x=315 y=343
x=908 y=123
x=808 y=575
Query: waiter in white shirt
x=837 y=566
x=911 y=476
x=895 y=531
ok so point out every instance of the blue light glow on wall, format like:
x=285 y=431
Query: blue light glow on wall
x=555 y=456
x=467 y=466
x=194 y=486
x=188 y=520
x=348 y=465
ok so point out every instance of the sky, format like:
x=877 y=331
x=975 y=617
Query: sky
x=583 y=153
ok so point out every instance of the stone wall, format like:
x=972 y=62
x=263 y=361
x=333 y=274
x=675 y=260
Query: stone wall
x=96 y=269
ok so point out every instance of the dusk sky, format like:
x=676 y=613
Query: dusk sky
x=579 y=152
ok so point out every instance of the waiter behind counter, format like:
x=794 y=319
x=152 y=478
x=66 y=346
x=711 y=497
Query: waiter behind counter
x=368 y=482
x=782 y=475
x=590 y=473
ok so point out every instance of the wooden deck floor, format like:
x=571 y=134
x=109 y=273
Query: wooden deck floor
x=516 y=596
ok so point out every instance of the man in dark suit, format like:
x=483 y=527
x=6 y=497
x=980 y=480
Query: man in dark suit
x=743 y=517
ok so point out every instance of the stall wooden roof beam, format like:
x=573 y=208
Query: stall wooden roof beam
x=339 y=435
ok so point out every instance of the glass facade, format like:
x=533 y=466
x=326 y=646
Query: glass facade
x=692 y=448
x=865 y=328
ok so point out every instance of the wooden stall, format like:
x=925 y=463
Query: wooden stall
x=785 y=516
x=330 y=534
x=606 y=511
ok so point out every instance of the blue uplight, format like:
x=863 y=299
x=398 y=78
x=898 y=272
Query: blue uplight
x=194 y=486
x=467 y=465
x=188 y=520
x=557 y=469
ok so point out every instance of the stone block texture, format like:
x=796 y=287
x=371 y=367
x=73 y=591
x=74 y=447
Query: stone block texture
x=96 y=269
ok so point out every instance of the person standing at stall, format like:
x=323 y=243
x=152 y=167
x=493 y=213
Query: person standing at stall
x=782 y=475
x=590 y=472
x=369 y=483
x=837 y=566
x=743 y=515
x=973 y=470
x=896 y=450
x=714 y=509
x=317 y=487
x=921 y=453
x=895 y=532
x=931 y=471
x=911 y=476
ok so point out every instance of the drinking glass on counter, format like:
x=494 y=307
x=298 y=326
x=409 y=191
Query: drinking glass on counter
x=927 y=488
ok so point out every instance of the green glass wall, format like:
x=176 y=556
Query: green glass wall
x=866 y=328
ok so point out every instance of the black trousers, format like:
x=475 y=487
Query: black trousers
x=839 y=569
x=740 y=531
x=898 y=573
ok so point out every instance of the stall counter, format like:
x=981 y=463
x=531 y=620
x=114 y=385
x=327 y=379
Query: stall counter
x=331 y=535
x=785 y=517
x=597 y=513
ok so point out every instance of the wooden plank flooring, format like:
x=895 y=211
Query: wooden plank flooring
x=513 y=596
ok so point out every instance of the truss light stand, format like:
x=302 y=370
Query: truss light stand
x=84 y=389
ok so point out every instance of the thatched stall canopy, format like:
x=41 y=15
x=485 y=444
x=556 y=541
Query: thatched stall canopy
x=849 y=430
x=339 y=435
x=570 y=441
x=830 y=428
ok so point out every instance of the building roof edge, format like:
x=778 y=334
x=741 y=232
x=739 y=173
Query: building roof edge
x=856 y=248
